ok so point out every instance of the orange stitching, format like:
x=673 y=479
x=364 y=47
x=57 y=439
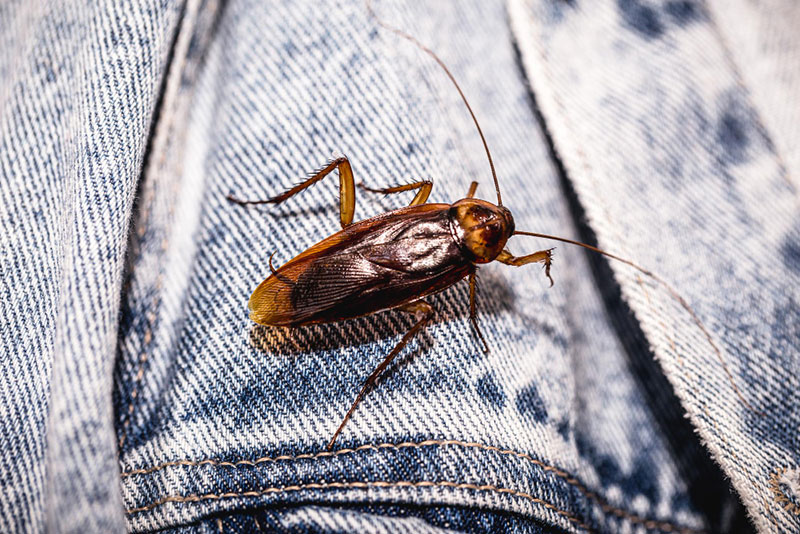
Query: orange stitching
x=148 y=337
x=778 y=493
x=362 y=485
x=148 y=334
x=567 y=477
x=326 y=454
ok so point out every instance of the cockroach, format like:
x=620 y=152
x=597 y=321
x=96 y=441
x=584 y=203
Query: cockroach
x=395 y=260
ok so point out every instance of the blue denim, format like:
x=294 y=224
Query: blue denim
x=137 y=395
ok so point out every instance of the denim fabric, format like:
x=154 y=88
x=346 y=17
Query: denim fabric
x=137 y=394
x=79 y=83
x=687 y=141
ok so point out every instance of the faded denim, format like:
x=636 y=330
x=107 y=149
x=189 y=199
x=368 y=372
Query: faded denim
x=136 y=394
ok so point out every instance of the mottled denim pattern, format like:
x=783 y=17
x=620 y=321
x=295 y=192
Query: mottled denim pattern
x=678 y=117
x=642 y=126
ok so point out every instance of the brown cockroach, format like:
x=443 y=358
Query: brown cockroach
x=395 y=260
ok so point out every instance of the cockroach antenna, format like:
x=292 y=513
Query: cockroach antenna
x=436 y=58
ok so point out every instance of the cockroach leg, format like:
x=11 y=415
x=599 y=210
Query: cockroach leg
x=423 y=313
x=473 y=309
x=278 y=275
x=271 y=267
x=424 y=186
x=347 y=190
x=472 y=188
x=543 y=256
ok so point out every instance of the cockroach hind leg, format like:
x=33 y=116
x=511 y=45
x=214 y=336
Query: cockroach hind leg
x=423 y=313
x=347 y=194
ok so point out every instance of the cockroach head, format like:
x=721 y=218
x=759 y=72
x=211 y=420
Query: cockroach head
x=481 y=228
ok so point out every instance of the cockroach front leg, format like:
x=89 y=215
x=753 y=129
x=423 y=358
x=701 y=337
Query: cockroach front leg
x=424 y=186
x=423 y=313
x=472 y=188
x=543 y=256
x=473 y=310
x=347 y=190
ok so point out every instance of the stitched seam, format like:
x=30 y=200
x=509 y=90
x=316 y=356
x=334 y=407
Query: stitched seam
x=362 y=485
x=567 y=477
x=779 y=495
x=151 y=318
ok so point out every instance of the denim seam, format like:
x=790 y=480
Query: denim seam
x=584 y=161
x=564 y=475
x=691 y=388
x=163 y=128
x=779 y=495
x=661 y=323
x=362 y=485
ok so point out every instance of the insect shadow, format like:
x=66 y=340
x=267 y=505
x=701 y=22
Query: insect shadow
x=330 y=337
x=319 y=210
x=275 y=340
x=325 y=338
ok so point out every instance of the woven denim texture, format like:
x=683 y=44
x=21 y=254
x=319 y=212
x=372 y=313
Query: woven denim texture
x=137 y=394
x=727 y=230
x=79 y=85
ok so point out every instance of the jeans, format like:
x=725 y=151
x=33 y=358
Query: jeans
x=136 y=394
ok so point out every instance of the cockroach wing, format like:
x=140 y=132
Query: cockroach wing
x=372 y=265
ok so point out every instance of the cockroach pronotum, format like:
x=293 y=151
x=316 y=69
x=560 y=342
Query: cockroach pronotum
x=395 y=260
